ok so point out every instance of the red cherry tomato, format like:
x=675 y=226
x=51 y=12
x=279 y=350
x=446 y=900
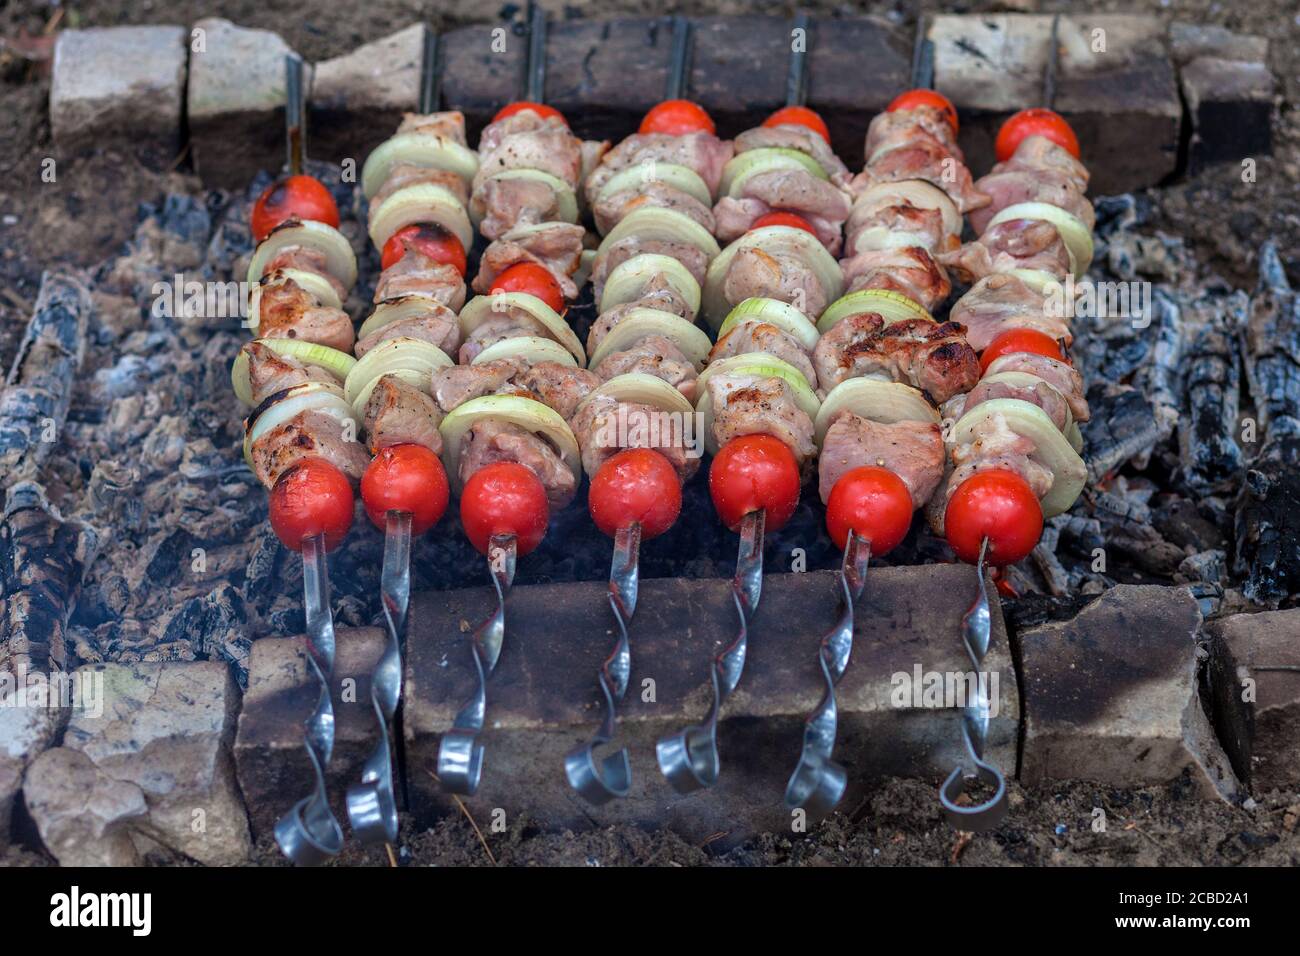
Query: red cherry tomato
x=533 y=279
x=428 y=239
x=1035 y=122
x=295 y=197
x=541 y=109
x=1020 y=340
x=677 y=118
x=998 y=505
x=873 y=502
x=914 y=98
x=313 y=497
x=753 y=472
x=407 y=478
x=783 y=219
x=504 y=498
x=639 y=486
x=800 y=116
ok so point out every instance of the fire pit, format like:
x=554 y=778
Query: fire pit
x=137 y=556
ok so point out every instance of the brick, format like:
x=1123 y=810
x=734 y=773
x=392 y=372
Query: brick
x=358 y=99
x=543 y=698
x=274 y=770
x=85 y=817
x=28 y=726
x=119 y=86
x=166 y=728
x=235 y=103
x=1113 y=696
x=1189 y=41
x=1122 y=102
x=1256 y=690
x=1231 y=106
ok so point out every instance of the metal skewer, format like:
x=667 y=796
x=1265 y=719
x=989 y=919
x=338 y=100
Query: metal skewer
x=430 y=72
x=372 y=803
x=535 y=69
x=922 y=57
x=460 y=757
x=818 y=783
x=689 y=758
x=295 y=115
x=309 y=834
x=679 y=62
x=977 y=817
x=612 y=777
x=796 y=76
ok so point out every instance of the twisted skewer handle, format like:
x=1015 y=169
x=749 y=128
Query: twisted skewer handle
x=372 y=805
x=978 y=817
x=309 y=834
x=818 y=783
x=460 y=757
x=612 y=777
x=689 y=758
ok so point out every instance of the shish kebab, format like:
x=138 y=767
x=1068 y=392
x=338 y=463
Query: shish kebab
x=760 y=294
x=647 y=351
x=300 y=435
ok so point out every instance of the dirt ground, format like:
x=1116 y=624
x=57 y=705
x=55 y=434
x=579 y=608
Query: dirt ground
x=1224 y=221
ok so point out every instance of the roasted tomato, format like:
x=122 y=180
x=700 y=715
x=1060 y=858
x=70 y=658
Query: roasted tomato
x=636 y=486
x=406 y=478
x=677 y=118
x=783 y=219
x=295 y=197
x=752 y=473
x=1035 y=122
x=1020 y=340
x=800 y=116
x=313 y=497
x=998 y=505
x=428 y=239
x=504 y=498
x=914 y=98
x=541 y=109
x=873 y=502
x=533 y=279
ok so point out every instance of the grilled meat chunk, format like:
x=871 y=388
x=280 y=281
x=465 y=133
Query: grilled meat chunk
x=525 y=140
x=417 y=274
x=457 y=384
x=912 y=450
x=889 y=221
x=308 y=434
x=610 y=210
x=662 y=299
x=489 y=441
x=509 y=203
x=270 y=372
x=1038 y=171
x=287 y=311
x=1015 y=244
x=653 y=355
x=449 y=124
x=933 y=357
x=693 y=258
x=557 y=247
x=774 y=275
x=605 y=426
x=406 y=174
x=824 y=205
x=998 y=303
x=895 y=128
x=754 y=405
x=702 y=152
x=562 y=387
x=1039 y=393
x=922 y=156
x=398 y=413
x=792 y=136
x=438 y=327
x=753 y=335
x=1062 y=377
x=909 y=270
x=996 y=446
x=306 y=260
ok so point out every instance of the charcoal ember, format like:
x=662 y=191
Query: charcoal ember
x=43 y=559
x=1123 y=428
x=170 y=554
x=261 y=574
x=1212 y=458
x=1179 y=520
x=113 y=496
x=1205 y=566
x=1272 y=346
x=1126 y=523
x=1267 y=525
x=38 y=390
x=1161 y=379
x=215 y=625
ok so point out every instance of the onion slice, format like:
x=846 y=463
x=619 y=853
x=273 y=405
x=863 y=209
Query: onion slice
x=339 y=258
x=425 y=150
x=752 y=162
x=774 y=312
x=626 y=282
x=663 y=225
x=565 y=199
x=420 y=203
x=1075 y=235
x=413 y=360
x=531 y=348
x=783 y=239
x=760 y=365
x=283 y=406
x=331 y=360
x=400 y=308
x=484 y=308
x=883 y=402
x=682 y=178
x=889 y=305
x=640 y=323
x=642 y=389
x=527 y=413
x=915 y=192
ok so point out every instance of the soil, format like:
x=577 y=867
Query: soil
x=1223 y=220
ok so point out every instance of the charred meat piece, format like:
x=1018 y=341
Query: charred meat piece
x=287 y=311
x=774 y=275
x=754 y=405
x=398 y=413
x=752 y=335
x=438 y=328
x=1015 y=244
x=792 y=136
x=417 y=274
x=605 y=426
x=561 y=387
x=610 y=210
x=912 y=450
x=305 y=260
x=933 y=357
x=307 y=435
x=692 y=257
x=270 y=372
x=923 y=157
x=457 y=384
x=998 y=303
x=824 y=205
x=557 y=247
x=489 y=441
x=702 y=152
x=509 y=203
x=653 y=355
x=909 y=270
x=449 y=124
